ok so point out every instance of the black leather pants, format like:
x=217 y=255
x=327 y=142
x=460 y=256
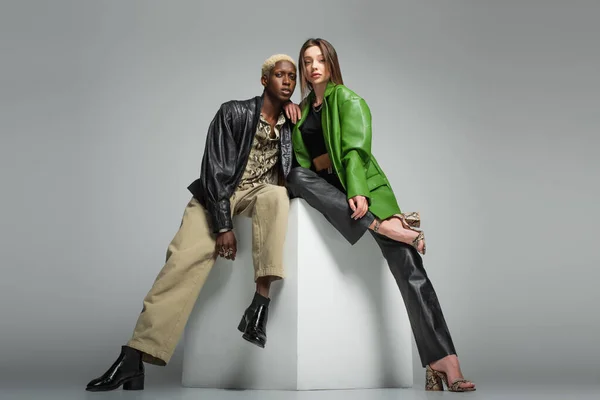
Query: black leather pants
x=424 y=312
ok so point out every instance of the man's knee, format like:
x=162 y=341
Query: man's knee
x=276 y=197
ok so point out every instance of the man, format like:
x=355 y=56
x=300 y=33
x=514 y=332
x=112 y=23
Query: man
x=246 y=160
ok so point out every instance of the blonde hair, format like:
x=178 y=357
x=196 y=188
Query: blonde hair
x=270 y=62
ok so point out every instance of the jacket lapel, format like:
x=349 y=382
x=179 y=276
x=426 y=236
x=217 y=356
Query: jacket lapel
x=298 y=145
x=258 y=102
x=326 y=126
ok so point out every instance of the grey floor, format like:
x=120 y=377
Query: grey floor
x=527 y=392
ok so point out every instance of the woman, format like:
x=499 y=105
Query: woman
x=332 y=146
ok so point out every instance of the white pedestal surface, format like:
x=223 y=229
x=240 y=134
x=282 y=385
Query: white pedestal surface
x=336 y=322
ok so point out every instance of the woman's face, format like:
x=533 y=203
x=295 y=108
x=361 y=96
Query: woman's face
x=315 y=67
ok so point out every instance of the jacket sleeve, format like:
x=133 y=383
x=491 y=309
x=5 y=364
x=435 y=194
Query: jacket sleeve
x=355 y=135
x=218 y=169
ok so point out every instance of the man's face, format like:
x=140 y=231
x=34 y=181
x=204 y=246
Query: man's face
x=281 y=82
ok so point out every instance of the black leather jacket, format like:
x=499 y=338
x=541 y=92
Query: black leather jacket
x=228 y=144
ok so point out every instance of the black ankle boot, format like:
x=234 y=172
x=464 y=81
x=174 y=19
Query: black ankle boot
x=128 y=371
x=254 y=321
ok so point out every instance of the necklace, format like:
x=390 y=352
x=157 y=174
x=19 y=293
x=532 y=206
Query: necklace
x=317 y=108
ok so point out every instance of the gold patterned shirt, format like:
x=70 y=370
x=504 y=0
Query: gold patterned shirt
x=263 y=160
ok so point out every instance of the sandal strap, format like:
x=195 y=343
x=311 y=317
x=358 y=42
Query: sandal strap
x=420 y=236
x=456 y=385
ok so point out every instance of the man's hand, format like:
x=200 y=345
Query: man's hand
x=359 y=205
x=226 y=245
x=292 y=111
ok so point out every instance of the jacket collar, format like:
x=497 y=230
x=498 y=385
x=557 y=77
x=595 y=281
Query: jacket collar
x=328 y=90
x=258 y=102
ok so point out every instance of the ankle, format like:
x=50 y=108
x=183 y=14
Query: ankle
x=385 y=228
x=262 y=292
x=448 y=362
x=373 y=224
x=132 y=354
x=263 y=286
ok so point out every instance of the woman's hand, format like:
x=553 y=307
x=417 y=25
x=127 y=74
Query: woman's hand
x=359 y=205
x=292 y=111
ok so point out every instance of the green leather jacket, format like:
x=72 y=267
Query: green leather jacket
x=346 y=123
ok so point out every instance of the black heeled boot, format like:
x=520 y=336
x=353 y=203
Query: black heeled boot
x=127 y=370
x=254 y=321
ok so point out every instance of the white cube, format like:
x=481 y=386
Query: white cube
x=337 y=321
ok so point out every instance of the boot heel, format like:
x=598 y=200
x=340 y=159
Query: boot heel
x=433 y=382
x=134 y=384
x=243 y=324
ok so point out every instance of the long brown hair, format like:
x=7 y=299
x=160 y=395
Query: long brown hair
x=331 y=61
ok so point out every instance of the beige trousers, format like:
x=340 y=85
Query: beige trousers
x=191 y=256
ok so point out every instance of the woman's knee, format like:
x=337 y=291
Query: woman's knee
x=298 y=175
x=296 y=180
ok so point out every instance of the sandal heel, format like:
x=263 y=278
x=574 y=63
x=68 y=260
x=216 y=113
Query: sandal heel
x=433 y=382
x=412 y=219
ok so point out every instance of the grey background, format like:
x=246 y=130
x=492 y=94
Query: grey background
x=485 y=119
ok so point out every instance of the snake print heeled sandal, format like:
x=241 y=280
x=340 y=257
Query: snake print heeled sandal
x=434 y=381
